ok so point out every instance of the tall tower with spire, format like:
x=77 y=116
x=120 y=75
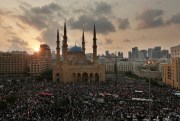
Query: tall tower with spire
x=58 y=48
x=83 y=42
x=65 y=46
x=94 y=45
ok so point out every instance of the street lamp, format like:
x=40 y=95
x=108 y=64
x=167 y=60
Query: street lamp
x=148 y=65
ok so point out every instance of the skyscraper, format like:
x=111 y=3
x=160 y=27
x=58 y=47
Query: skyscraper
x=165 y=54
x=150 y=52
x=129 y=55
x=135 y=53
x=142 y=54
x=157 y=52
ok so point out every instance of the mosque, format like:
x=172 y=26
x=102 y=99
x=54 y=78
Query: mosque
x=74 y=66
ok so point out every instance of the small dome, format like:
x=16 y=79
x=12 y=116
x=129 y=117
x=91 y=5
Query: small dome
x=75 y=49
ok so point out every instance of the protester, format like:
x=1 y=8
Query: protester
x=111 y=101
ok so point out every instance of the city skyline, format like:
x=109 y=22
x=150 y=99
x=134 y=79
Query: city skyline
x=121 y=25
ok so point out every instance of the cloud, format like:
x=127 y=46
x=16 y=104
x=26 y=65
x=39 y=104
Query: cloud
x=97 y=8
x=5 y=12
x=47 y=9
x=16 y=40
x=150 y=18
x=80 y=10
x=109 y=41
x=123 y=23
x=45 y=19
x=48 y=35
x=103 y=8
x=40 y=17
x=103 y=25
x=126 y=40
x=20 y=26
x=18 y=44
x=175 y=19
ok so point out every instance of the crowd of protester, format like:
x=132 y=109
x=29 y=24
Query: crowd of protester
x=103 y=101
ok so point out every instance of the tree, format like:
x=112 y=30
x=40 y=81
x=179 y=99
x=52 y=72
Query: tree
x=45 y=75
x=128 y=73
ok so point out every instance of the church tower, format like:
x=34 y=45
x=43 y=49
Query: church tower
x=58 y=48
x=65 y=46
x=94 y=45
x=83 y=42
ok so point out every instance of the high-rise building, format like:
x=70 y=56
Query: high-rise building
x=150 y=52
x=13 y=64
x=135 y=53
x=120 y=55
x=157 y=52
x=107 y=53
x=40 y=61
x=129 y=55
x=175 y=51
x=164 y=54
x=171 y=71
x=143 y=54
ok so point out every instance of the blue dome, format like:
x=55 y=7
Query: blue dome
x=75 y=49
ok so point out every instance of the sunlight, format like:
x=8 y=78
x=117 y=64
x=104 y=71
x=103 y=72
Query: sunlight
x=36 y=49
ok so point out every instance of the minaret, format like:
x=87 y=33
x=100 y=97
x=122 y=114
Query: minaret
x=94 y=46
x=83 y=42
x=58 y=48
x=64 y=47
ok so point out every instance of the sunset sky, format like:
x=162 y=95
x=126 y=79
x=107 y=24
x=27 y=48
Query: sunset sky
x=120 y=24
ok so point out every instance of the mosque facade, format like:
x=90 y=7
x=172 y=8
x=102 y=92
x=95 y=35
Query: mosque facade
x=74 y=66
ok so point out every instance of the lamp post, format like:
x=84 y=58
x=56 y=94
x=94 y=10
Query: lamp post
x=148 y=65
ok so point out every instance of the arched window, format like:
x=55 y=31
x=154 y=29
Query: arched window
x=91 y=78
x=96 y=77
x=85 y=77
x=78 y=77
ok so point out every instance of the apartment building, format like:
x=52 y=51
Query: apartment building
x=122 y=67
x=171 y=71
x=175 y=51
x=13 y=64
x=40 y=61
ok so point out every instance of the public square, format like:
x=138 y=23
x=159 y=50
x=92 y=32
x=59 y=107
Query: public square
x=125 y=99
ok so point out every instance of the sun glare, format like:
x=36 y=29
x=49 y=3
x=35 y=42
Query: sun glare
x=36 y=49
